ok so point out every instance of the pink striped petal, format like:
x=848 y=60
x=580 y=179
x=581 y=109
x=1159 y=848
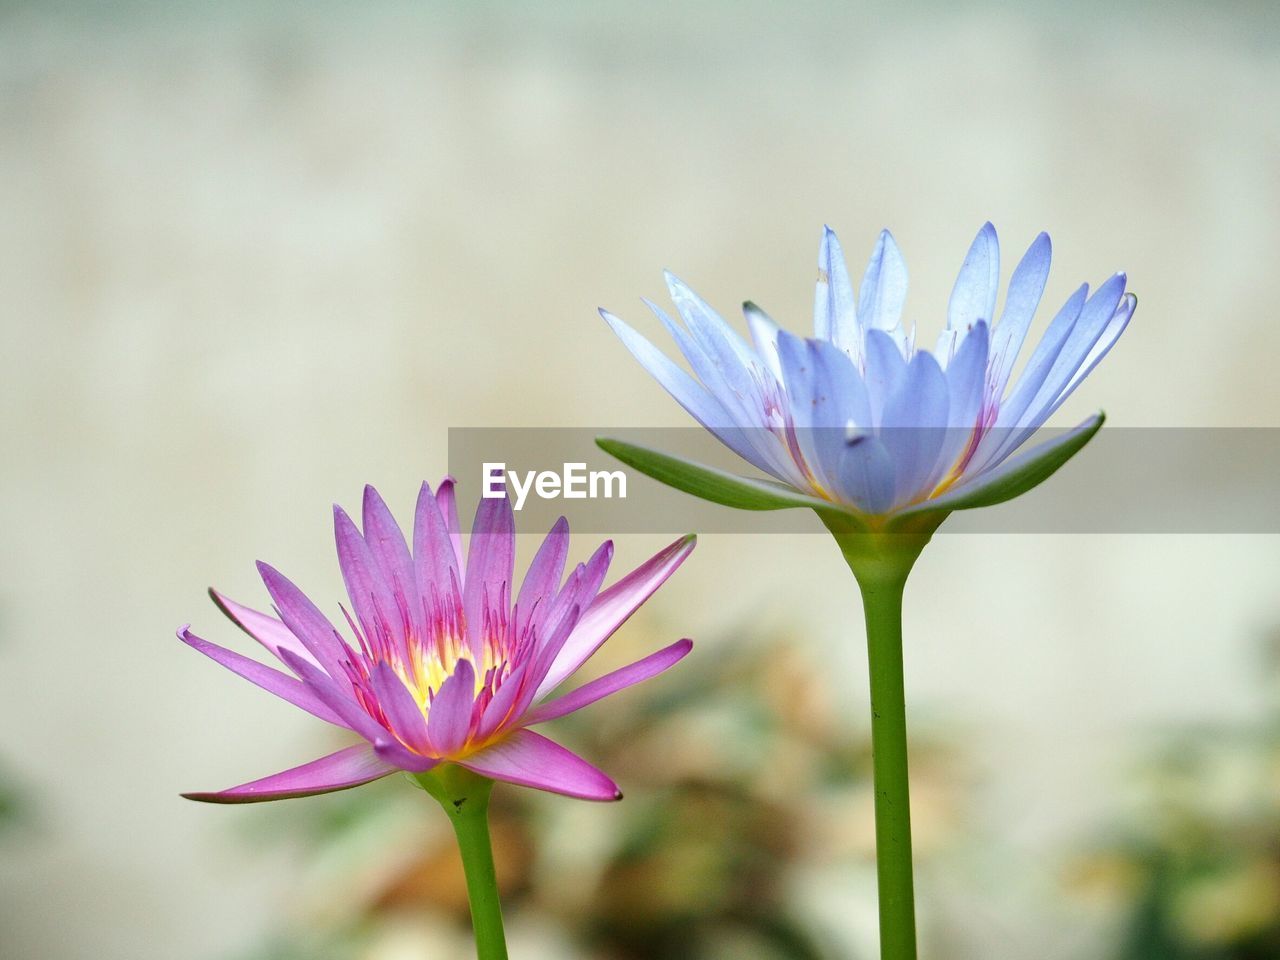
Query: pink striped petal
x=268 y=678
x=374 y=604
x=401 y=708
x=338 y=771
x=578 y=593
x=342 y=702
x=543 y=578
x=531 y=760
x=491 y=557
x=611 y=683
x=447 y=499
x=501 y=710
x=611 y=610
x=391 y=554
x=266 y=629
x=305 y=621
x=449 y=717
x=435 y=563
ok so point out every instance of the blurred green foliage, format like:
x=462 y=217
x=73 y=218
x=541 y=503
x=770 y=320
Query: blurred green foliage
x=1195 y=866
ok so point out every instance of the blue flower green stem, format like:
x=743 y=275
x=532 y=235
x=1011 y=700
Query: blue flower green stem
x=881 y=563
x=465 y=798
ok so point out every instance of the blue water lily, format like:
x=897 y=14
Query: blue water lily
x=858 y=418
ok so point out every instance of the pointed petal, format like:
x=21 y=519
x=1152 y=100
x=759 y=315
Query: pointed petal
x=447 y=500
x=974 y=296
x=611 y=683
x=737 y=387
x=1101 y=347
x=1098 y=316
x=337 y=698
x=1012 y=411
x=580 y=590
x=811 y=408
x=391 y=554
x=966 y=391
x=380 y=616
x=305 y=621
x=838 y=379
x=266 y=629
x=531 y=760
x=501 y=710
x=557 y=634
x=914 y=426
x=697 y=401
x=401 y=709
x=491 y=554
x=543 y=578
x=434 y=559
x=966 y=378
x=883 y=292
x=886 y=369
x=612 y=608
x=1095 y=318
x=268 y=678
x=835 y=317
x=717 y=338
x=764 y=334
x=1026 y=287
x=338 y=771
x=449 y=717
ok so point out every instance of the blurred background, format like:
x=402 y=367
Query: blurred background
x=255 y=255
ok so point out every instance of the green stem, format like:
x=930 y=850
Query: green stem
x=881 y=563
x=465 y=798
x=882 y=604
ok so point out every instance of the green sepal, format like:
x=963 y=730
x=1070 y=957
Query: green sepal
x=710 y=483
x=1015 y=477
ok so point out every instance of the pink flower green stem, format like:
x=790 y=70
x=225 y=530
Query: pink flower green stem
x=465 y=798
x=881 y=564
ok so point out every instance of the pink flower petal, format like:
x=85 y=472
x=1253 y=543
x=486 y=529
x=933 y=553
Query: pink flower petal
x=531 y=760
x=448 y=502
x=391 y=554
x=435 y=563
x=381 y=618
x=501 y=710
x=338 y=771
x=543 y=578
x=267 y=630
x=611 y=609
x=268 y=678
x=337 y=696
x=402 y=710
x=449 y=717
x=490 y=565
x=305 y=621
x=578 y=594
x=611 y=683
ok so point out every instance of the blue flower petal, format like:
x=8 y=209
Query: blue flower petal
x=884 y=290
x=834 y=313
x=886 y=368
x=974 y=296
x=914 y=425
x=1026 y=287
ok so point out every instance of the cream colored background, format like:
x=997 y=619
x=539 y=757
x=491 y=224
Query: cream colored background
x=250 y=260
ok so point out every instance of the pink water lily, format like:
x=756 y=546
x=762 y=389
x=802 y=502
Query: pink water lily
x=449 y=663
